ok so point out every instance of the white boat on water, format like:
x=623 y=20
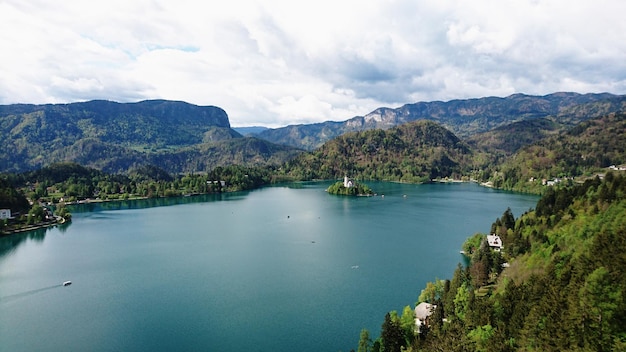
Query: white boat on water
x=67 y=283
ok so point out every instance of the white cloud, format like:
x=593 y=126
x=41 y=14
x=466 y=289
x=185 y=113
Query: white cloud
x=275 y=63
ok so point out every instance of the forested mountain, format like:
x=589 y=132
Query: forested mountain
x=562 y=288
x=248 y=151
x=157 y=123
x=116 y=137
x=521 y=156
x=508 y=139
x=579 y=151
x=412 y=152
x=463 y=117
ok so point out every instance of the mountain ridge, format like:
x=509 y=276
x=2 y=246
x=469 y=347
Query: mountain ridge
x=190 y=138
x=117 y=136
x=464 y=117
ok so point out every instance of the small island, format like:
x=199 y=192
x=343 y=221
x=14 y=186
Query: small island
x=349 y=188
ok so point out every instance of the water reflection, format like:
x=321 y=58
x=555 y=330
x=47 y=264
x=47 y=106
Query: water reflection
x=9 y=243
x=153 y=202
x=63 y=227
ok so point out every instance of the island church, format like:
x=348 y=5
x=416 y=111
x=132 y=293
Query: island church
x=348 y=182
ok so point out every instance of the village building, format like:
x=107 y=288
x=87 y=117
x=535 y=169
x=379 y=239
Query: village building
x=495 y=242
x=422 y=313
x=5 y=214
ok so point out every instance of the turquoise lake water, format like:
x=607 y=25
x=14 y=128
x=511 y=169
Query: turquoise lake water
x=285 y=268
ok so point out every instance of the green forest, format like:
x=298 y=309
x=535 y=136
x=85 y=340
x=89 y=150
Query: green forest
x=54 y=186
x=580 y=151
x=557 y=285
x=414 y=152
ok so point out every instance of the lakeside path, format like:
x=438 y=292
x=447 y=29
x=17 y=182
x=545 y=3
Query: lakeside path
x=58 y=220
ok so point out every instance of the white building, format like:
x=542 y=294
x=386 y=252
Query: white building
x=5 y=214
x=422 y=312
x=495 y=242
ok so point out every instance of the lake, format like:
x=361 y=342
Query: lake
x=283 y=268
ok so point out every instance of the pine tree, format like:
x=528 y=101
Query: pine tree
x=391 y=335
x=364 y=341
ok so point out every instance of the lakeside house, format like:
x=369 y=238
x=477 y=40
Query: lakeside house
x=422 y=312
x=495 y=242
x=5 y=214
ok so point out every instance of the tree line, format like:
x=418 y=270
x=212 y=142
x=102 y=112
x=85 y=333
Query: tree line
x=51 y=187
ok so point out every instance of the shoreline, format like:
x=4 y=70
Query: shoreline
x=42 y=225
x=60 y=221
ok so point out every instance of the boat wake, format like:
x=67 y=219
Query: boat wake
x=27 y=293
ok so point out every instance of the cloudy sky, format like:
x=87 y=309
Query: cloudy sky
x=280 y=62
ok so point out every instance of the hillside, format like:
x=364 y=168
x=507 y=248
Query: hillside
x=116 y=137
x=521 y=156
x=582 y=150
x=413 y=152
x=157 y=123
x=12 y=199
x=247 y=151
x=508 y=139
x=561 y=290
x=464 y=118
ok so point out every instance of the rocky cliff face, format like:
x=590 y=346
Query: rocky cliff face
x=104 y=110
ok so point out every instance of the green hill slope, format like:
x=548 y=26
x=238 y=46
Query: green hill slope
x=412 y=152
x=116 y=137
x=10 y=198
x=582 y=150
x=508 y=139
x=561 y=290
